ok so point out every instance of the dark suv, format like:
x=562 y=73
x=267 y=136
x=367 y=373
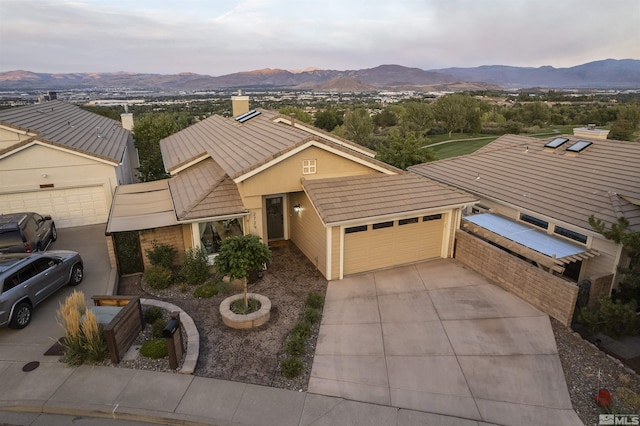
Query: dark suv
x=26 y=232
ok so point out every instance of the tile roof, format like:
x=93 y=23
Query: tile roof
x=241 y=147
x=603 y=180
x=67 y=125
x=204 y=190
x=371 y=196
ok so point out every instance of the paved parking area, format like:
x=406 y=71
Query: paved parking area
x=30 y=343
x=440 y=338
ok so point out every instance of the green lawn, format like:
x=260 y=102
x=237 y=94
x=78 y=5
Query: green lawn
x=455 y=149
x=460 y=146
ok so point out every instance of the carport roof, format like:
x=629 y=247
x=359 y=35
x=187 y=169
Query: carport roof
x=548 y=250
x=141 y=206
x=346 y=199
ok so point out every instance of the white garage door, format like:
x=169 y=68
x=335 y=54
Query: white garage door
x=68 y=207
x=386 y=244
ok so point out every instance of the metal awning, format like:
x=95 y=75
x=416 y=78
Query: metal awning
x=141 y=206
x=545 y=249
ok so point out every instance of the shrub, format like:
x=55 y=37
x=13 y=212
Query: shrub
x=224 y=287
x=157 y=277
x=195 y=269
x=312 y=315
x=158 y=326
x=296 y=345
x=315 y=300
x=614 y=319
x=161 y=255
x=291 y=367
x=94 y=344
x=151 y=314
x=238 y=306
x=206 y=291
x=154 y=349
x=83 y=339
x=302 y=329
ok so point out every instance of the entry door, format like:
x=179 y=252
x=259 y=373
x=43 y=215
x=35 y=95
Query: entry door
x=275 y=219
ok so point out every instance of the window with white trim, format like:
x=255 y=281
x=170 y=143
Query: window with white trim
x=308 y=167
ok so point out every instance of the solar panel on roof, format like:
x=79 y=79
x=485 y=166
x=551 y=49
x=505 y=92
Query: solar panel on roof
x=247 y=116
x=579 y=146
x=556 y=142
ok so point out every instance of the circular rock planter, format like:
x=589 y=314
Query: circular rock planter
x=252 y=320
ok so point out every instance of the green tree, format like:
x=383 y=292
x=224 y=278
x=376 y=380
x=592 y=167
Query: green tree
x=357 y=126
x=326 y=120
x=148 y=130
x=452 y=111
x=299 y=114
x=385 y=118
x=629 y=285
x=405 y=149
x=418 y=117
x=239 y=255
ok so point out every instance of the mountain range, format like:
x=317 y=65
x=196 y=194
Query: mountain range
x=605 y=74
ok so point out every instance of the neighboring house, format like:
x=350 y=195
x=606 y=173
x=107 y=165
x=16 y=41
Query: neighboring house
x=265 y=174
x=58 y=159
x=536 y=197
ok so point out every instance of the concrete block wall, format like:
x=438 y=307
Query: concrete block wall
x=552 y=295
x=112 y=252
x=169 y=235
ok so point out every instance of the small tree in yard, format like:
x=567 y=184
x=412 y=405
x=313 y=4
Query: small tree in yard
x=239 y=255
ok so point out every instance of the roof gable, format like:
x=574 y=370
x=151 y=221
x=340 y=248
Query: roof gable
x=204 y=190
x=569 y=187
x=66 y=125
x=240 y=148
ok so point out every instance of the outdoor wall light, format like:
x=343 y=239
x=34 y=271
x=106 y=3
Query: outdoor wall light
x=296 y=208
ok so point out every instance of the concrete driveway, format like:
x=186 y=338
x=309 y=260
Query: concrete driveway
x=440 y=338
x=30 y=343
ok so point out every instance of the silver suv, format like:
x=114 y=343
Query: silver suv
x=26 y=279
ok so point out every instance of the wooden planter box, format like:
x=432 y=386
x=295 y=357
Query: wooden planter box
x=122 y=321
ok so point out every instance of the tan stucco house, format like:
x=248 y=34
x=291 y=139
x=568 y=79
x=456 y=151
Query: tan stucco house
x=536 y=197
x=58 y=159
x=265 y=174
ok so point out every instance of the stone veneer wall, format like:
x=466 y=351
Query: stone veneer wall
x=169 y=235
x=550 y=294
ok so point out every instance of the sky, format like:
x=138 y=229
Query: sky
x=219 y=37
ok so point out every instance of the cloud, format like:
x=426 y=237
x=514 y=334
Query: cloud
x=226 y=36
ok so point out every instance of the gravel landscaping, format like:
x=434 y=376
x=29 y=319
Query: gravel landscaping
x=254 y=356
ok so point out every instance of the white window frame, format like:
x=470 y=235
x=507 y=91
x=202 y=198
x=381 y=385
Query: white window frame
x=309 y=167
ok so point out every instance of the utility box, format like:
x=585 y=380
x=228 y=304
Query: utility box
x=173 y=339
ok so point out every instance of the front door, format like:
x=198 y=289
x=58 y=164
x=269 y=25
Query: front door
x=275 y=219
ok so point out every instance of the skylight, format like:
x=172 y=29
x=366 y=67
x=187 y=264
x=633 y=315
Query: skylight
x=579 y=146
x=247 y=116
x=555 y=143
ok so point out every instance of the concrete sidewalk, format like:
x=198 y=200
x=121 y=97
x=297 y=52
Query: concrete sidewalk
x=167 y=398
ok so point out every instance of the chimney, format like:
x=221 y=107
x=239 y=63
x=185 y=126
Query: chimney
x=590 y=132
x=293 y=119
x=239 y=104
x=127 y=119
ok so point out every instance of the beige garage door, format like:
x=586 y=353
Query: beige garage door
x=68 y=207
x=386 y=244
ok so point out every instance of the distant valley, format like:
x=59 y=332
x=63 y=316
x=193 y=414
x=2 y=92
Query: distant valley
x=605 y=74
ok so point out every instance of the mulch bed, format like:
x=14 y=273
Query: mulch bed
x=249 y=356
